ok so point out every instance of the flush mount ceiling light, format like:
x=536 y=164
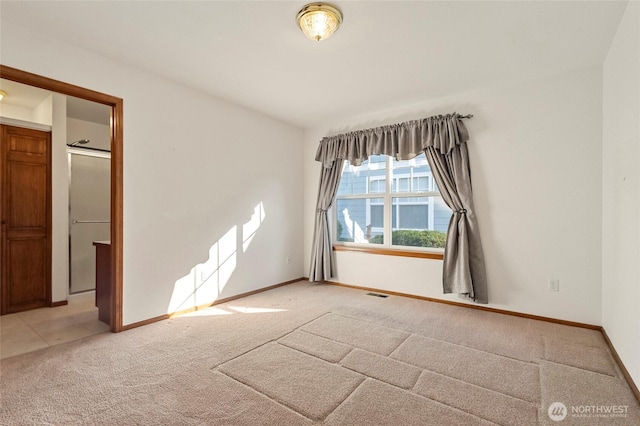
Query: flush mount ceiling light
x=319 y=20
x=2 y=94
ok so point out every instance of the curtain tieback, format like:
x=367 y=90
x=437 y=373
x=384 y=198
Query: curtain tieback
x=461 y=211
x=321 y=210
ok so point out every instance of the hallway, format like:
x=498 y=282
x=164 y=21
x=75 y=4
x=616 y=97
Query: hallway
x=41 y=328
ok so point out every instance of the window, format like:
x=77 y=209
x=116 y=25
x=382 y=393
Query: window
x=390 y=203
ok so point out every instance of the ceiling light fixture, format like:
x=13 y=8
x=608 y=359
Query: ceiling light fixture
x=318 y=21
x=2 y=94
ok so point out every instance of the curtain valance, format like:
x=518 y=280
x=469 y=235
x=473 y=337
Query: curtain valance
x=402 y=141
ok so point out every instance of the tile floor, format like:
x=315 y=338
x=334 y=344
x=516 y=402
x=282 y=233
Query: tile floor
x=41 y=328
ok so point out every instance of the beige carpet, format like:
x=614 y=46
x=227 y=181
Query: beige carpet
x=317 y=354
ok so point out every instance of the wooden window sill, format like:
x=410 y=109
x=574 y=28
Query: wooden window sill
x=389 y=252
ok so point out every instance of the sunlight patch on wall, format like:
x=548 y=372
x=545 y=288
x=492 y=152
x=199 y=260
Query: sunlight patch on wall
x=205 y=281
x=250 y=228
x=227 y=247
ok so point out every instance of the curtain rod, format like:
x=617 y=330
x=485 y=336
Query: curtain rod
x=466 y=116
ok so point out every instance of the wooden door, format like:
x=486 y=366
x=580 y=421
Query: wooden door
x=25 y=185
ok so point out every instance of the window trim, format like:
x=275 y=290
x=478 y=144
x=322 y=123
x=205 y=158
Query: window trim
x=360 y=248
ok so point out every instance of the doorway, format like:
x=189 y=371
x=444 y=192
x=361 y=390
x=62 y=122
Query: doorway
x=88 y=159
x=116 y=181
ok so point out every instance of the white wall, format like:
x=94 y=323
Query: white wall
x=40 y=114
x=194 y=168
x=16 y=112
x=60 y=200
x=98 y=134
x=43 y=113
x=535 y=161
x=621 y=192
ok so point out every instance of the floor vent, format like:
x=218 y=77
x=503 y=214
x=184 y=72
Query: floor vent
x=378 y=295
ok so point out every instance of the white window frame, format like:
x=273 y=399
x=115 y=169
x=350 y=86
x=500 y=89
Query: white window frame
x=388 y=197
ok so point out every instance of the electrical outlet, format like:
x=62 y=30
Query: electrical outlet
x=288 y=260
x=554 y=285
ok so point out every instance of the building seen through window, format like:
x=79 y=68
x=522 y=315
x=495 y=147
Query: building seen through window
x=390 y=203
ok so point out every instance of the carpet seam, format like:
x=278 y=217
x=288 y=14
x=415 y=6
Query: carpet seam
x=475 y=349
x=606 y=350
x=411 y=390
x=575 y=343
x=410 y=333
x=215 y=367
x=274 y=340
x=413 y=333
x=370 y=377
x=347 y=398
x=356 y=319
x=370 y=322
x=392 y=359
x=362 y=379
x=537 y=403
x=475 y=385
x=364 y=376
x=314 y=319
x=273 y=399
x=398 y=347
x=439 y=403
x=536 y=365
x=321 y=359
x=434 y=338
x=584 y=369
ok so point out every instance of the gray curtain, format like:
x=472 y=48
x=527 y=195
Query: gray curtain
x=443 y=138
x=463 y=268
x=322 y=256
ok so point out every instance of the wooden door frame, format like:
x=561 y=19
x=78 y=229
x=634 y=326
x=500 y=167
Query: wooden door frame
x=116 y=105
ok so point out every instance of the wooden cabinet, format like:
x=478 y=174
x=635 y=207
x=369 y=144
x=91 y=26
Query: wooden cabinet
x=104 y=291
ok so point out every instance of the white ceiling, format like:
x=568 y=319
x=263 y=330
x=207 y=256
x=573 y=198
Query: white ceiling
x=21 y=95
x=386 y=54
